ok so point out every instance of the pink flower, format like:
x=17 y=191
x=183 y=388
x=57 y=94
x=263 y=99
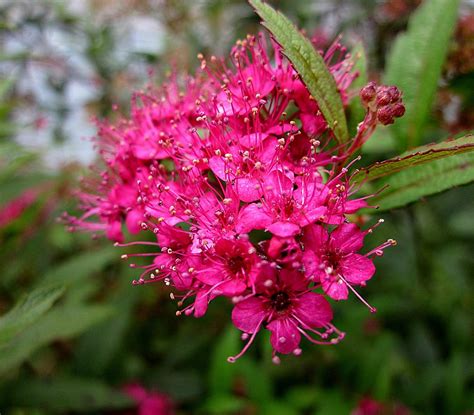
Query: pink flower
x=149 y=402
x=230 y=267
x=369 y=406
x=332 y=259
x=285 y=305
x=15 y=208
x=289 y=205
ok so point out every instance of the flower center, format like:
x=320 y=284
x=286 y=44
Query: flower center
x=236 y=264
x=289 y=207
x=280 y=301
x=333 y=258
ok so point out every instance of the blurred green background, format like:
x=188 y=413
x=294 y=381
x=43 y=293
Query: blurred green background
x=63 y=62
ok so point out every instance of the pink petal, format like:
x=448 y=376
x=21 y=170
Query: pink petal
x=312 y=124
x=281 y=129
x=218 y=167
x=357 y=268
x=212 y=275
x=248 y=314
x=352 y=206
x=277 y=183
x=114 y=231
x=293 y=280
x=312 y=215
x=201 y=303
x=252 y=140
x=335 y=288
x=347 y=237
x=232 y=288
x=266 y=274
x=312 y=262
x=284 y=229
x=314 y=310
x=133 y=220
x=252 y=217
x=315 y=237
x=248 y=189
x=285 y=336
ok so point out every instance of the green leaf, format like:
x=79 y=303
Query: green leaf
x=429 y=178
x=415 y=63
x=28 y=310
x=455 y=386
x=98 y=347
x=419 y=155
x=224 y=404
x=67 y=394
x=222 y=373
x=60 y=323
x=81 y=266
x=357 y=110
x=310 y=66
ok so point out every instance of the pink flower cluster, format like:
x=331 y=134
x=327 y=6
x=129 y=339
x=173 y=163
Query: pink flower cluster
x=148 y=402
x=245 y=190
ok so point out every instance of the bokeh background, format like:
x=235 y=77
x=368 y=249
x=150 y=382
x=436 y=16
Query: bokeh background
x=64 y=62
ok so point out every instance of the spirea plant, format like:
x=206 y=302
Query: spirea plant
x=245 y=183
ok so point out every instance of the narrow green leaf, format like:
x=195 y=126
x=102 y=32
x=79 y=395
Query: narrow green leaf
x=419 y=155
x=59 y=323
x=28 y=310
x=426 y=179
x=415 y=63
x=81 y=266
x=357 y=110
x=309 y=64
x=222 y=373
x=98 y=347
x=64 y=394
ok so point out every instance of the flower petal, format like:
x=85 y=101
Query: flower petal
x=315 y=238
x=252 y=217
x=285 y=336
x=248 y=314
x=357 y=268
x=248 y=189
x=335 y=287
x=314 y=310
x=284 y=229
x=347 y=238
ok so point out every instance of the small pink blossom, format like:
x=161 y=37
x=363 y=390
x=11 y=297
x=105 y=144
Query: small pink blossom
x=284 y=304
x=15 y=208
x=149 y=402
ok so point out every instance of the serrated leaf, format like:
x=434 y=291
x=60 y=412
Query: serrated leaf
x=426 y=179
x=59 y=323
x=415 y=63
x=28 y=310
x=67 y=394
x=310 y=66
x=419 y=155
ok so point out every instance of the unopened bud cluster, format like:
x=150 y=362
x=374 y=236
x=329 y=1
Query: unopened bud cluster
x=384 y=101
